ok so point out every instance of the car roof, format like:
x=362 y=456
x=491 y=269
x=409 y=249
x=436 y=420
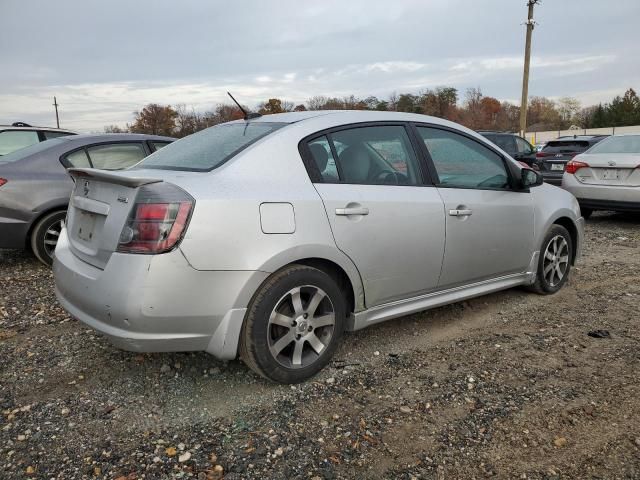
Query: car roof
x=340 y=117
x=48 y=129
x=579 y=137
x=492 y=132
x=102 y=137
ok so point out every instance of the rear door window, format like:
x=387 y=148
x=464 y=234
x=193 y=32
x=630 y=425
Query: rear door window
x=523 y=147
x=505 y=142
x=116 y=156
x=324 y=159
x=379 y=155
x=12 y=140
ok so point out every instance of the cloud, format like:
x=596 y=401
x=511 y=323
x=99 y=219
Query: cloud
x=109 y=65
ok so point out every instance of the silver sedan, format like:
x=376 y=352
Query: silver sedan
x=269 y=237
x=607 y=176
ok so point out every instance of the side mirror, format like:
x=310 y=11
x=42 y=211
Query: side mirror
x=530 y=178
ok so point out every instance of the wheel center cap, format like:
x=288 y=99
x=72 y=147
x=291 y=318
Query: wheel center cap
x=302 y=325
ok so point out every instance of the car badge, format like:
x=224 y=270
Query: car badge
x=86 y=188
x=558 y=155
x=612 y=163
x=123 y=199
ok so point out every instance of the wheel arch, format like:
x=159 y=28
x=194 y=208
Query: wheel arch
x=571 y=227
x=52 y=208
x=331 y=261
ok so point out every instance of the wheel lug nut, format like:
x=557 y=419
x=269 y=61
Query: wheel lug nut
x=306 y=315
x=310 y=328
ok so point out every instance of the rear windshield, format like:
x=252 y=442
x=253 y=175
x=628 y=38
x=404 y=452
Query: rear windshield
x=208 y=149
x=30 y=150
x=621 y=144
x=560 y=146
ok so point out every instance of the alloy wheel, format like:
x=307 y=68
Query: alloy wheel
x=556 y=260
x=51 y=236
x=301 y=326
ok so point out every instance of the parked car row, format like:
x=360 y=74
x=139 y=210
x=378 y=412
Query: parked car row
x=602 y=171
x=35 y=187
x=555 y=155
x=268 y=237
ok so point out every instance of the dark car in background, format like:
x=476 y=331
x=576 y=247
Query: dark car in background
x=19 y=135
x=35 y=187
x=516 y=146
x=555 y=155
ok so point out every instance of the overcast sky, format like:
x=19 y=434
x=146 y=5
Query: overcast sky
x=103 y=60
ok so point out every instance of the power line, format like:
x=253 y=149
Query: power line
x=527 y=57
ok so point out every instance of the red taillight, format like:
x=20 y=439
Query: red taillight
x=542 y=154
x=573 y=166
x=3 y=181
x=156 y=224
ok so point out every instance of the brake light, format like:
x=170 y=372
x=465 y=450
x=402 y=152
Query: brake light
x=574 y=165
x=157 y=221
x=3 y=181
x=542 y=154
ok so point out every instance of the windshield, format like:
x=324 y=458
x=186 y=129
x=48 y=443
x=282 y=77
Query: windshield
x=30 y=150
x=621 y=144
x=210 y=148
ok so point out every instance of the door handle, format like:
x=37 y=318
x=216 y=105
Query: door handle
x=352 y=211
x=460 y=213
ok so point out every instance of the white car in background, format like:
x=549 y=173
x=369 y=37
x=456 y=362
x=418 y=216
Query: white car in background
x=607 y=176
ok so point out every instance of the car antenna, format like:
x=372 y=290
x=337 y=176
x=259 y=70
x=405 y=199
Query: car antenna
x=247 y=115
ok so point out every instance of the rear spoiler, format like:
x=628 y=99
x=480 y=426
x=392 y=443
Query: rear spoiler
x=106 y=176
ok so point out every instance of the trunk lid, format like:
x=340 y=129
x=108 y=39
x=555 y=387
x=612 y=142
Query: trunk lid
x=98 y=210
x=610 y=169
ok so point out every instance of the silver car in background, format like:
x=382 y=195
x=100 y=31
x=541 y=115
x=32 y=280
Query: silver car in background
x=607 y=176
x=35 y=187
x=269 y=237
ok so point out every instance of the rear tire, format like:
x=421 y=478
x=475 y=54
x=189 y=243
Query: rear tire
x=44 y=236
x=554 y=264
x=586 y=212
x=293 y=324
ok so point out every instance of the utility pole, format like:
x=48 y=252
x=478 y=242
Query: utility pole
x=525 y=77
x=55 y=104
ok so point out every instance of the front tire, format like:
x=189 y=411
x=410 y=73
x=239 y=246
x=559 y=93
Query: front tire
x=293 y=324
x=554 y=263
x=44 y=236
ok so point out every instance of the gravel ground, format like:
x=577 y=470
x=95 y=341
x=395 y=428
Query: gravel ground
x=509 y=385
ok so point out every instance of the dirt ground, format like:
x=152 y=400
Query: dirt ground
x=508 y=386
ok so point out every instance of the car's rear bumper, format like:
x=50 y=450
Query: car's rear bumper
x=552 y=178
x=603 y=197
x=154 y=303
x=609 y=205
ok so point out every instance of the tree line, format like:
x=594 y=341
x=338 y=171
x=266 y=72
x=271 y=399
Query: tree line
x=474 y=110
